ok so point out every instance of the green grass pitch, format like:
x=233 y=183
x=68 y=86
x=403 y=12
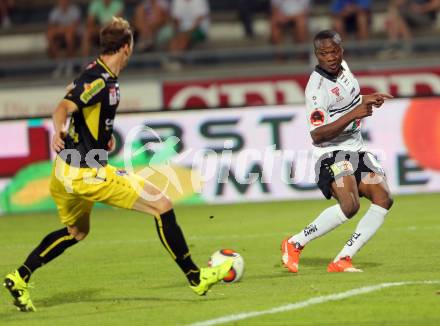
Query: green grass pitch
x=121 y=275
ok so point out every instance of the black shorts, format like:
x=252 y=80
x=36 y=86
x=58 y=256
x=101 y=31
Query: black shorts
x=337 y=164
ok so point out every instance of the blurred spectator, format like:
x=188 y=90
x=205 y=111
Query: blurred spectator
x=289 y=14
x=5 y=6
x=403 y=17
x=150 y=17
x=245 y=14
x=100 y=12
x=352 y=15
x=62 y=35
x=191 y=23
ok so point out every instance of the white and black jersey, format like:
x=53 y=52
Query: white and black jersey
x=329 y=97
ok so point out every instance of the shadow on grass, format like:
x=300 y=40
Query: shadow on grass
x=314 y=261
x=92 y=296
x=83 y=295
x=279 y=272
x=323 y=262
x=364 y=264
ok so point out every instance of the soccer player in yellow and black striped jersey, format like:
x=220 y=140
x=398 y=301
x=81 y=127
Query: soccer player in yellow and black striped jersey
x=81 y=175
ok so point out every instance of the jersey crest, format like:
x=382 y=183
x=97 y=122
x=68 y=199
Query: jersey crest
x=317 y=118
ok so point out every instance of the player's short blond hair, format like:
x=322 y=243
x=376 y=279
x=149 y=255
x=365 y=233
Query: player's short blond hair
x=115 y=35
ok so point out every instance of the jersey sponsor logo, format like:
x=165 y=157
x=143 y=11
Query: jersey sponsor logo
x=92 y=89
x=335 y=91
x=317 y=118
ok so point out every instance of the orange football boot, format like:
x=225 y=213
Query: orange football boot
x=342 y=265
x=290 y=255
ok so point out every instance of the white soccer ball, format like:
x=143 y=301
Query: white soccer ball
x=237 y=270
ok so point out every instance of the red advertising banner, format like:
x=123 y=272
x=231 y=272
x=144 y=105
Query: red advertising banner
x=289 y=89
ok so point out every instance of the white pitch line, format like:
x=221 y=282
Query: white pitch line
x=307 y=303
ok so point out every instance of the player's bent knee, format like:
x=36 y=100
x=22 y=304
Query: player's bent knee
x=350 y=209
x=384 y=201
x=163 y=205
x=78 y=234
x=81 y=236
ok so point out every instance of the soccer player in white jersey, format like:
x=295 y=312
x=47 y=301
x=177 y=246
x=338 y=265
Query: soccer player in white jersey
x=345 y=169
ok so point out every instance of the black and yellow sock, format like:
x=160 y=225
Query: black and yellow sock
x=172 y=238
x=50 y=247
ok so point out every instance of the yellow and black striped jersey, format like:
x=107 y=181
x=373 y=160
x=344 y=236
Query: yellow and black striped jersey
x=96 y=94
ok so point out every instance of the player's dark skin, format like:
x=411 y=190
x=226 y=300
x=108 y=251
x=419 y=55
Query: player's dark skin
x=374 y=187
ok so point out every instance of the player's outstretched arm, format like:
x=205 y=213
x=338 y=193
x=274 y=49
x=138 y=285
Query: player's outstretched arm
x=365 y=109
x=59 y=118
x=376 y=99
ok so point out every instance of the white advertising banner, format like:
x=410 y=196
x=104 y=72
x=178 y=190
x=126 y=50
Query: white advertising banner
x=229 y=156
x=261 y=154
